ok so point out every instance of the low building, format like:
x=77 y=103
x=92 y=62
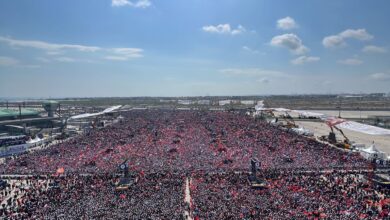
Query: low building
x=247 y=102
x=12 y=114
x=204 y=102
x=224 y=102
x=184 y=102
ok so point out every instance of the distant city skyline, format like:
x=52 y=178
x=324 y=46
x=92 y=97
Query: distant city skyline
x=129 y=48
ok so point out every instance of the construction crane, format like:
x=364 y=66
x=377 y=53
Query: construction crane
x=290 y=123
x=331 y=138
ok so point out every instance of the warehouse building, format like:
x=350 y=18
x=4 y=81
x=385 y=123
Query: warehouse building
x=12 y=114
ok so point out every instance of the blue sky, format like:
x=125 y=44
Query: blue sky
x=193 y=47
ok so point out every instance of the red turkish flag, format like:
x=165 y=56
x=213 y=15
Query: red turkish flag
x=60 y=170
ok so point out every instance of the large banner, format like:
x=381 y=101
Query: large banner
x=367 y=129
x=11 y=150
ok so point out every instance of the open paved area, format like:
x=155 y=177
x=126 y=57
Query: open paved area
x=382 y=142
x=320 y=128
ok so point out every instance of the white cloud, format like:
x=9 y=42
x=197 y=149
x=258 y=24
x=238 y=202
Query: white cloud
x=116 y=58
x=123 y=54
x=119 y=2
x=135 y=4
x=221 y=28
x=380 y=76
x=304 y=59
x=224 y=29
x=58 y=49
x=54 y=53
x=8 y=61
x=286 y=23
x=291 y=42
x=240 y=29
x=129 y=52
x=62 y=59
x=358 y=34
x=374 y=49
x=246 y=48
x=47 y=46
x=250 y=72
x=351 y=62
x=12 y=62
x=336 y=41
x=66 y=59
x=333 y=41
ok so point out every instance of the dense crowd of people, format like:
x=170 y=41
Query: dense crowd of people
x=289 y=196
x=183 y=140
x=213 y=149
x=156 y=196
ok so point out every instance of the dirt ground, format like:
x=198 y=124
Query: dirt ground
x=381 y=142
x=352 y=114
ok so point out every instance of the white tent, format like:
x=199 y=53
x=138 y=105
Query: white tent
x=371 y=149
x=372 y=153
x=303 y=131
x=33 y=141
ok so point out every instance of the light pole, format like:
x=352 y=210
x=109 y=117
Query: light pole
x=360 y=108
x=339 y=107
x=20 y=112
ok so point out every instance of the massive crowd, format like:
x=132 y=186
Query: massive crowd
x=213 y=149
x=289 y=196
x=157 y=196
x=184 y=140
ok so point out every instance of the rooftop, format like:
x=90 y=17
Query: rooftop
x=15 y=112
